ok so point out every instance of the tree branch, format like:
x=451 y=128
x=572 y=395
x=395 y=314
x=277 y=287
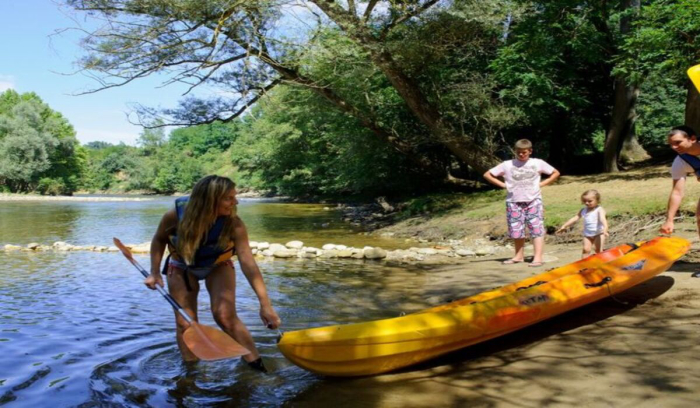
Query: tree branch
x=148 y=113
x=351 y=8
x=368 y=11
x=406 y=16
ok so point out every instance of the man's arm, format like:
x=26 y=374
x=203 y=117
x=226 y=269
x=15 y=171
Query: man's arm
x=674 y=203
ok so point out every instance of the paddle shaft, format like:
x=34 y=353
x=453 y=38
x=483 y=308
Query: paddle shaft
x=166 y=295
x=162 y=291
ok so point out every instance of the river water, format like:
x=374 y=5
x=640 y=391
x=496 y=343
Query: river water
x=80 y=329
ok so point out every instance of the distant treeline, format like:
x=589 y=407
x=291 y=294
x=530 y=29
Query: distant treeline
x=401 y=98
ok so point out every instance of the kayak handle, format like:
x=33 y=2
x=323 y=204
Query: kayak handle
x=601 y=283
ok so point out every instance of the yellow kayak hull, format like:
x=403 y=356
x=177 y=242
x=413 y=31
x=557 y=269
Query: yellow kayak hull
x=694 y=75
x=384 y=345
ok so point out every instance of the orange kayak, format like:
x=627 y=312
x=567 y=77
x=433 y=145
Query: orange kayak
x=384 y=345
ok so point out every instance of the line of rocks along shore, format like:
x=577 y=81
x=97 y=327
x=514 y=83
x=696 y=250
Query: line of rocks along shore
x=297 y=249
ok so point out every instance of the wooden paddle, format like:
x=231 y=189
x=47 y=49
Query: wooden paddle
x=205 y=342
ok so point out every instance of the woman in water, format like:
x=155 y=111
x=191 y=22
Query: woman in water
x=202 y=233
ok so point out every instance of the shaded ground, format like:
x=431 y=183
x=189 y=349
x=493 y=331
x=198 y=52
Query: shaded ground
x=637 y=351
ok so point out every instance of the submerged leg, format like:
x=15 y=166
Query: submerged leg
x=221 y=284
x=188 y=301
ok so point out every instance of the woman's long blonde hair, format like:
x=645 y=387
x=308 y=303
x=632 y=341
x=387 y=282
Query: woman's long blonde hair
x=201 y=214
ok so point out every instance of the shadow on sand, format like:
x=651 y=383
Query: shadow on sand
x=524 y=368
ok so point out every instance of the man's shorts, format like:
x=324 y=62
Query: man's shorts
x=520 y=215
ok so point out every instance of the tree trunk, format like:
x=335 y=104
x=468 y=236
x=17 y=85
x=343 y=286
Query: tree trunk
x=632 y=151
x=623 y=116
x=463 y=147
x=367 y=120
x=692 y=108
x=621 y=123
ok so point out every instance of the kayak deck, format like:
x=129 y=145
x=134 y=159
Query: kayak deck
x=384 y=345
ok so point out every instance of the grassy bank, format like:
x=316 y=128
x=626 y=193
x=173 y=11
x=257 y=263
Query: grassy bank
x=639 y=194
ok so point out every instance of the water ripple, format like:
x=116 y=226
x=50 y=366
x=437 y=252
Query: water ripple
x=80 y=329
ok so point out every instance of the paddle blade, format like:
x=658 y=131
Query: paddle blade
x=124 y=250
x=209 y=343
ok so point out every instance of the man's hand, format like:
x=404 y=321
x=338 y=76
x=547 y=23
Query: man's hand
x=667 y=228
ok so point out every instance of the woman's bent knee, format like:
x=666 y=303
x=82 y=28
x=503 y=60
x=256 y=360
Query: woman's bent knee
x=225 y=317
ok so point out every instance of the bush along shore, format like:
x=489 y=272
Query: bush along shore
x=297 y=249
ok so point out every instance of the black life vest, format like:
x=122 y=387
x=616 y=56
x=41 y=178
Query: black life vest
x=209 y=253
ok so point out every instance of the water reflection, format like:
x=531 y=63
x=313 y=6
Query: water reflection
x=95 y=223
x=37 y=221
x=79 y=328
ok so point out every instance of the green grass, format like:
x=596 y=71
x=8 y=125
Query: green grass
x=641 y=192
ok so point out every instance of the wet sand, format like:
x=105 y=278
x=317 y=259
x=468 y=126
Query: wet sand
x=640 y=350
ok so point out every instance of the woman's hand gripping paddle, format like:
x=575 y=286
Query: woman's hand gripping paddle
x=205 y=342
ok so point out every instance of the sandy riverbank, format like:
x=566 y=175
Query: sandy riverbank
x=639 y=353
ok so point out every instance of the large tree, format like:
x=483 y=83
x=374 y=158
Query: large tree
x=621 y=129
x=558 y=66
x=248 y=47
x=36 y=143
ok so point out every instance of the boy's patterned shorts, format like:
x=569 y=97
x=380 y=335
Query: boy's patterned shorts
x=520 y=215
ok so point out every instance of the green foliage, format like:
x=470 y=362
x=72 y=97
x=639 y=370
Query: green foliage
x=107 y=165
x=36 y=143
x=151 y=139
x=293 y=146
x=495 y=71
x=49 y=186
x=176 y=171
x=199 y=140
x=96 y=145
x=666 y=41
x=660 y=106
x=555 y=68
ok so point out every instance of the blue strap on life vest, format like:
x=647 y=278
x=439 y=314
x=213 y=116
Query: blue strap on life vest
x=694 y=162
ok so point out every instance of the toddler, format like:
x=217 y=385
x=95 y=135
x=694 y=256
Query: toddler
x=595 y=223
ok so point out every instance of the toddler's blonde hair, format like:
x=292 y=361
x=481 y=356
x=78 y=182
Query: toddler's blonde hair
x=592 y=192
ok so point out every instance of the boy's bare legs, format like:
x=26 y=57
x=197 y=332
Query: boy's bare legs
x=538 y=244
x=519 y=249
